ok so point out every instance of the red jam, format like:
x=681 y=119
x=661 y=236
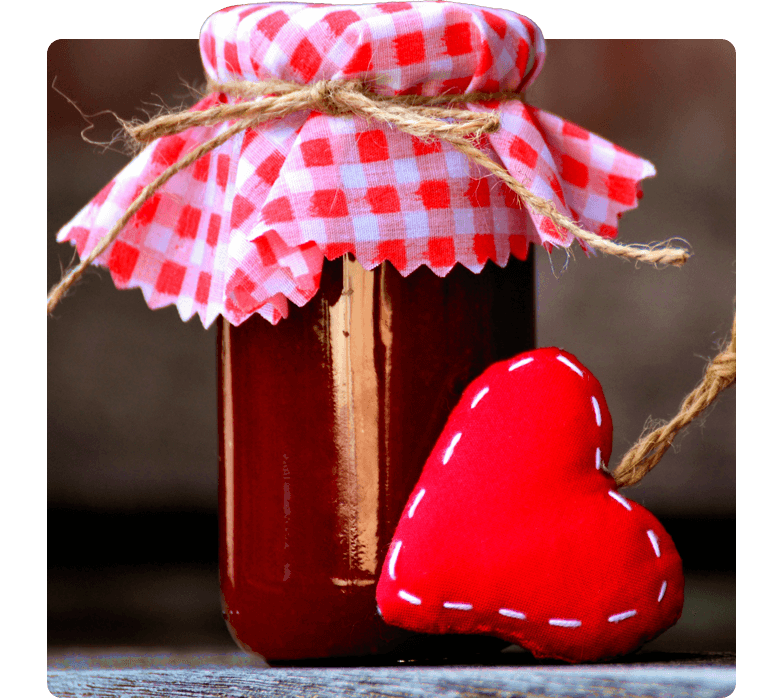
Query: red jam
x=326 y=420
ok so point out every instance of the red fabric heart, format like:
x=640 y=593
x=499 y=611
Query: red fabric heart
x=516 y=529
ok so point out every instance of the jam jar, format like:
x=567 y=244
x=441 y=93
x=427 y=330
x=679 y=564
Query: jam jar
x=326 y=421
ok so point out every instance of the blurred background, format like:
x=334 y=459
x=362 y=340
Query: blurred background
x=132 y=436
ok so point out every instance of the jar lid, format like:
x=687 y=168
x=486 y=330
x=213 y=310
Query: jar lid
x=246 y=228
x=397 y=47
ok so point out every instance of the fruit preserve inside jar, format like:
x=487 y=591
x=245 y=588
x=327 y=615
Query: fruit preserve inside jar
x=326 y=421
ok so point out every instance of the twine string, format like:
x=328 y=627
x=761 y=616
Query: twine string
x=421 y=116
x=424 y=117
x=720 y=374
x=279 y=99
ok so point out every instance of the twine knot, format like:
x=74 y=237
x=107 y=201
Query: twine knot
x=326 y=95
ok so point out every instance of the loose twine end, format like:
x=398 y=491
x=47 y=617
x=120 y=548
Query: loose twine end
x=649 y=449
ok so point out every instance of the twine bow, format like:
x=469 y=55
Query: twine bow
x=425 y=117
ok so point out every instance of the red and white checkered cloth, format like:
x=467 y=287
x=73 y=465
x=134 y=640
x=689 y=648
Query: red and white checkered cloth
x=247 y=227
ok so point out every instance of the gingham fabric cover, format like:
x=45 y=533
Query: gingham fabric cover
x=248 y=226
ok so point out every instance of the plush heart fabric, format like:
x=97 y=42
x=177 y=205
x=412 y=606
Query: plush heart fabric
x=516 y=529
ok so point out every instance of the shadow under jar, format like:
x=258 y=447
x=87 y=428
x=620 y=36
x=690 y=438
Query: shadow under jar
x=326 y=421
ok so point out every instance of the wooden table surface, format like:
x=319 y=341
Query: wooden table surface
x=514 y=674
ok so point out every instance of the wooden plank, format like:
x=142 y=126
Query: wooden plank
x=237 y=676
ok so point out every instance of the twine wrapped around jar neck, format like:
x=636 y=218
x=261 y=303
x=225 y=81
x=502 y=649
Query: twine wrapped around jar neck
x=421 y=116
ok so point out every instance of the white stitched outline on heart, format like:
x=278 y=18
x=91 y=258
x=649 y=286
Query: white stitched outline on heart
x=393 y=560
x=508 y=612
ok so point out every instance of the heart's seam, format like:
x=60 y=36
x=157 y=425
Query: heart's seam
x=479 y=396
x=619 y=498
x=451 y=447
x=415 y=503
x=622 y=616
x=654 y=542
x=597 y=410
x=565 y=622
x=521 y=363
x=393 y=560
x=566 y=361
x=409 y=597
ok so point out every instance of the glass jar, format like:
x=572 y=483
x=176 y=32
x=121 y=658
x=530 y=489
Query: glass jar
x=326 y=421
